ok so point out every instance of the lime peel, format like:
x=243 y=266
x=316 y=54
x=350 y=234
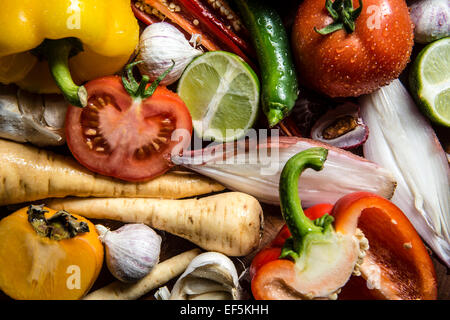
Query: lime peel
x=430 y=81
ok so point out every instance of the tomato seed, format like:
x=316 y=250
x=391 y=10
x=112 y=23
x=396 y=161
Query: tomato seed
x=93 y=115
x=155 y=145
x=102 y=102
x=140 y=153
x=108 y=99
x=90 y=132
x=161 y=139
x=99 y=140
x=93 y=107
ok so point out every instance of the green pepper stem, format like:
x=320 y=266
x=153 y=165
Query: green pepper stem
x=275 y=113
x=298 y=223
x=57 y=53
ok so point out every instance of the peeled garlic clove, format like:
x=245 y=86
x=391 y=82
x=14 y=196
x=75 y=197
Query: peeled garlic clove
x=131 y=251
x=160 y=44
x=209 y=276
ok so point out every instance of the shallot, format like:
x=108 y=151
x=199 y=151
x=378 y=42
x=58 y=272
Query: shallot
x=254 y=168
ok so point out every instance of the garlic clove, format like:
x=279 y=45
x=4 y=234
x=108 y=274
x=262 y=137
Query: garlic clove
x=131 y=251
x=210 y=275
x=160 y=44
x=196 y=286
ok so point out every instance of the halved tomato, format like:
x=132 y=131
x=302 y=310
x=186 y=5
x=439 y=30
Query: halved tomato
x=125 y=137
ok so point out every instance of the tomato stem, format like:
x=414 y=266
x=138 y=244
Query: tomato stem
x=298 y=223
x=343 y=14
x=140 y=90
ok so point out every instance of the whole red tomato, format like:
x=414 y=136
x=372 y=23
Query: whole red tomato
x=347 y=63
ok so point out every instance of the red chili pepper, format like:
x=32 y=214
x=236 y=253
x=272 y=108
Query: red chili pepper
x=216 y=26
x=143 y=16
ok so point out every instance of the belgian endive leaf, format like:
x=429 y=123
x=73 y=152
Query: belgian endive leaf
x=402 y=140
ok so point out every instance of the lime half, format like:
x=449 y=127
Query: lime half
x=222 y=94
x=430 y=81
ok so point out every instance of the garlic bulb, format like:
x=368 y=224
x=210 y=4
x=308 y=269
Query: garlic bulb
x=160 y=44
x=431 y=20
x=131 y=251
x=209 y=276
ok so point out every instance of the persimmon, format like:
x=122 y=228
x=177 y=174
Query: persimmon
x=48 y=255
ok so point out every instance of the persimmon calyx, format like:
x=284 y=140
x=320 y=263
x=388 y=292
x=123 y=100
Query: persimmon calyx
x=62 y=225
x=343 y=14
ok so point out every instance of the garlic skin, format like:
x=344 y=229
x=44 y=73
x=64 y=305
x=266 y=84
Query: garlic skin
x=159 y=45
x=131 y=251
x=209 y=276
x=431 y=20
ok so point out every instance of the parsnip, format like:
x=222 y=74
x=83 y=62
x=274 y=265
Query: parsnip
x=28 y=174
x=160 y=274
x=230 y=223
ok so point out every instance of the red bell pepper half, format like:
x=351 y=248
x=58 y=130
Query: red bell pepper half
x=397 y=266
x=318 y=259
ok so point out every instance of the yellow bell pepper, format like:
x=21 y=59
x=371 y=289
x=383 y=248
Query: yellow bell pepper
x=107 y=30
